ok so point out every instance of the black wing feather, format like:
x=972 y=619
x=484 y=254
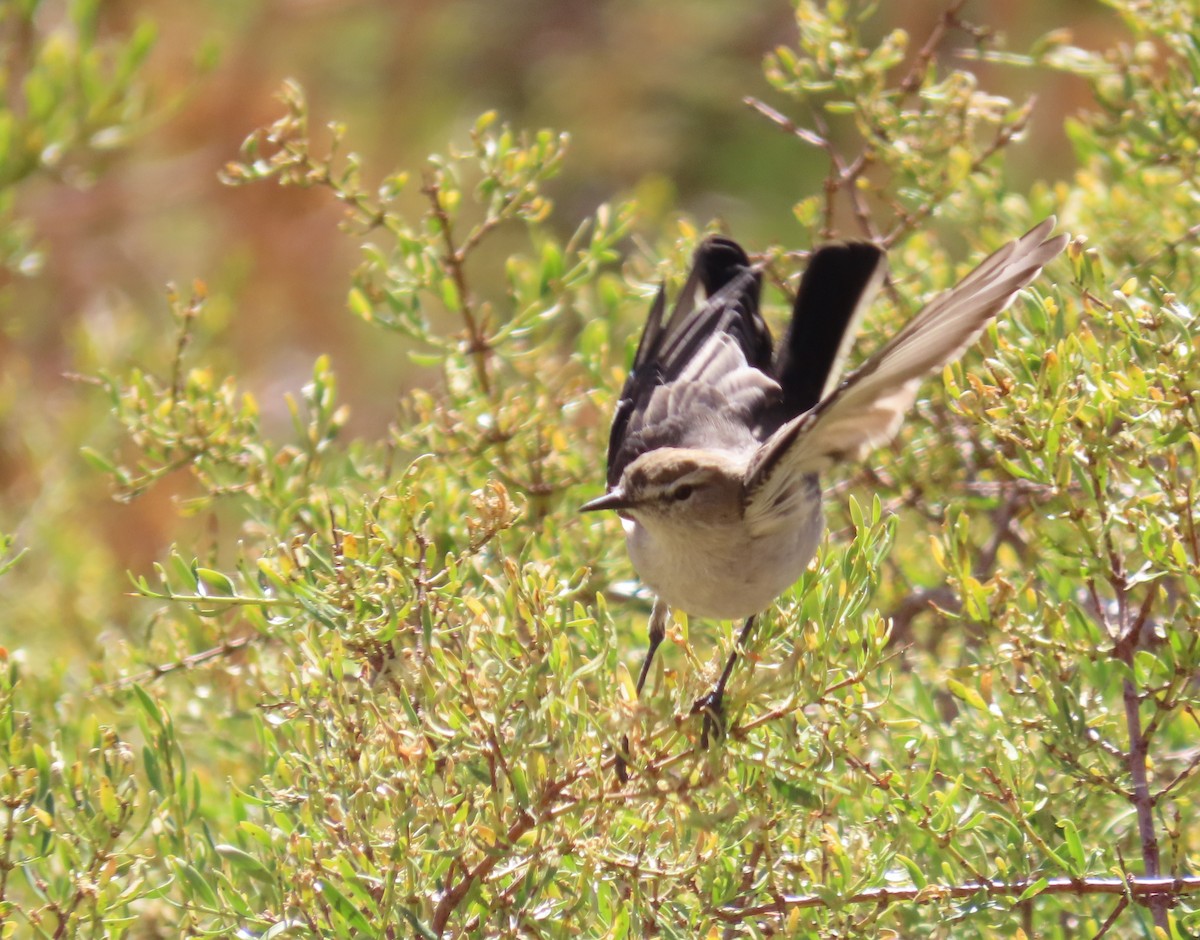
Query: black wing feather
x=665 y=350
x=839 y=283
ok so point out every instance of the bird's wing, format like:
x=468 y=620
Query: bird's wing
x=838 y=285
x=699 y=372
x=865 y=410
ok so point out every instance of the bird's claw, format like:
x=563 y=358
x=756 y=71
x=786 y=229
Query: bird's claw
x=622 y=765
x=712 y=707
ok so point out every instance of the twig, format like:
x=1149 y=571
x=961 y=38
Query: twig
x=1142 y=800
x=1152 y=889
x=477 y=344
x=525 y=821
x=1184 y=774
x=843 y=176
x=187 y=315
x=789 y=704
x=909 y=221
x=785 y=122
x=916 y=72
x=1112 y=918
x=1168 y=248
x=165 y=669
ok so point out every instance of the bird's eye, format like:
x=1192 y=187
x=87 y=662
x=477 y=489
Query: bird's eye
x=682 y=492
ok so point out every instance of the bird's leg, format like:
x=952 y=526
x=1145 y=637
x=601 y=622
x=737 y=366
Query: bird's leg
x=712 y=704
x=657 y=631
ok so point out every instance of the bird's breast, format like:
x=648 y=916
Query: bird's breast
x=723 y=572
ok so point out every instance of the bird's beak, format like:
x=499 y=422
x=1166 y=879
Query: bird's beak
x=616 y=499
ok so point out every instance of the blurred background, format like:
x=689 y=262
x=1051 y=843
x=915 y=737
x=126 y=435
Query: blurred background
x=650 y=92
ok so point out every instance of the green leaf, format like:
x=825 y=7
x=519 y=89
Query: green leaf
x=213 y=583
x=110 y=805
x=97 y=460
x=345 y=908
x=198 y=883
x=416 y=923
x=294 y=928
x=245 y=862
x=1074 y=847
x=360 y=305
x=914 y=871
x=966 y=694
x=151 y=769
x=1033 y=890
x=793 y=792
x=149 y=706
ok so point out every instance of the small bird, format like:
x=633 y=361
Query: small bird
x=719 y=436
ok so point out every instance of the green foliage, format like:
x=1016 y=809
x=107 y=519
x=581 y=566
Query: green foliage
x=927 y=142
x=72 y=96
x=384 y=701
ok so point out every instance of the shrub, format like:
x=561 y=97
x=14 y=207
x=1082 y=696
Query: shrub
x=385 y=702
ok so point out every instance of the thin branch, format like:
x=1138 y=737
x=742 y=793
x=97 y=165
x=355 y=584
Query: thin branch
x=786 y=123
x=844 y=176
x=909 y=221
x=187 y=315
x=789 y=704
x=1193 y=538
x=1132 y=636
x=1171 y=246
x=916 y=72
x=1142 y=800
x=1106 y=746
x=524 y=822
x=188 y=662
x=1112 y=918
x=1180 y=777
x=1085 y=774
x=454 y=257
x=1160 y=889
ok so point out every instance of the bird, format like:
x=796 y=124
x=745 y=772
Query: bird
x=720 y=436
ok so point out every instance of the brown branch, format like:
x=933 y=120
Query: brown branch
x=844 y=176
x=1143 y=801
x=524 y=822
x=1184 y=774
x=1180 y=777
x=1160 y=889
x=1098 y=607
x=477 y=234
x=1106 y=746
x=789 y=704
x=1193 y=538
x=1085 y=774
x=454 y=257
x=1112 y=918
x=916 y=72
x=1043 y=491
x=187 y=315
x=1129 y=640
x=1168 y=248
x=6 y=847
x=165 y=669
x=920 y=599
x=665 y=759
x=785 y=122
x=909 y=221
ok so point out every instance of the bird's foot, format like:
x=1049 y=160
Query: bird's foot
x=622 y=765
x=712 y=707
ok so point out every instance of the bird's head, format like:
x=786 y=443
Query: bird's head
x=677 y=487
